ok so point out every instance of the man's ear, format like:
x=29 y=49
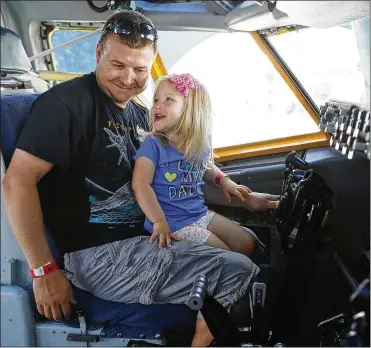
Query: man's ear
x=98 y=52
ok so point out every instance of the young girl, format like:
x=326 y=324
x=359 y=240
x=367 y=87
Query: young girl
x=172 y=164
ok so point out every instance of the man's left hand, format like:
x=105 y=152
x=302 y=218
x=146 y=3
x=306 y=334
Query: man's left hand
x=257 y=201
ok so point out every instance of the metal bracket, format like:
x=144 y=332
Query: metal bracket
x=8 y=272
x=82 y=322
x=142 y=343
x=83 y=337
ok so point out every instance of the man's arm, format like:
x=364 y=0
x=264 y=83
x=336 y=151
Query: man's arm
x=23 y=206
x=48 y=139
x=53 y=291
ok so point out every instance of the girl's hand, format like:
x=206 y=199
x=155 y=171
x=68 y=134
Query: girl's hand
x=161 y=230
x=231 y=188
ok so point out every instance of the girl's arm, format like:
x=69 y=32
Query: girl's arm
x=142 y=180
x=211 y=172
x=214 y=175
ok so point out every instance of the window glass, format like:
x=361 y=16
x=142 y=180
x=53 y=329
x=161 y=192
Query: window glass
x=325 y=61
x=78 y=57
x=251 y=101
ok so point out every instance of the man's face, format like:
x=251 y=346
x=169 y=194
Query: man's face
x=122 y=72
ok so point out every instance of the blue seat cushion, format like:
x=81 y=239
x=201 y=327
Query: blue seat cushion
x=131 y=320
x=14 y=113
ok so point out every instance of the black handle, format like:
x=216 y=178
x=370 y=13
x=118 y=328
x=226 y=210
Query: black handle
x=293 y=161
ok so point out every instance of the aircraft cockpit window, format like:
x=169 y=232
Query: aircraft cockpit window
x=326 y=61
x=77 y=58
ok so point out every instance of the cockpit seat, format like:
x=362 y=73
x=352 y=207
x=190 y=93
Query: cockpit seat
x=17 y=75
x=114 y=320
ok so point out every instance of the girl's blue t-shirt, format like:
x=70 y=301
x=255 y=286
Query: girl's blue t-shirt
x=178 y=186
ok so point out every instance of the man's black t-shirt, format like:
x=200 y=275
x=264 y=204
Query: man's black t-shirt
x=86 y=198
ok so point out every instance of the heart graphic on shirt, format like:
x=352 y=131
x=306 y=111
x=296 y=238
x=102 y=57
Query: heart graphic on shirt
x=170 y=176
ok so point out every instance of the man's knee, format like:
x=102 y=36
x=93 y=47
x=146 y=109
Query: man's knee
x=239 y=262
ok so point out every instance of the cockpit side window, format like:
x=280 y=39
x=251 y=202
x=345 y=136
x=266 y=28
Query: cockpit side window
x=326 y=61
x=77 y=58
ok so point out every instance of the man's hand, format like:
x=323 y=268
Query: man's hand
x=161 y=230
x=231 y=188
x=257 y=201
x=53 y=295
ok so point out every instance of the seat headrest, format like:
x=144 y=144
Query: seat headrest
x=14 y=59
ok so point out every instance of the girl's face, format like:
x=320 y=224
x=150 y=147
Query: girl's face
x=167 y=107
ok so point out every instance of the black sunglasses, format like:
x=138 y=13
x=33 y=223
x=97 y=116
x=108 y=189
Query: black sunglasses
x=127 y=27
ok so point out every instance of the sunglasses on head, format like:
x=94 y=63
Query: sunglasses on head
x=128 y=27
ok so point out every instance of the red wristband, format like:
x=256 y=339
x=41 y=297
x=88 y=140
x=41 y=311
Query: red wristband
x=219 y=178
x=49 y=267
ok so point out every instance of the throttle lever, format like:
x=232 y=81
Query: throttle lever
x=292 y=161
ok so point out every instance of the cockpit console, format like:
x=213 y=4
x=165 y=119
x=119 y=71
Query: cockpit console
x=305 y=206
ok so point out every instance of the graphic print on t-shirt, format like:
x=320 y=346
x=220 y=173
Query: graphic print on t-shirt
x=111 y=166
x=185 y=184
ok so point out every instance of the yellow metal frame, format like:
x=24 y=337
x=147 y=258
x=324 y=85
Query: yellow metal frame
x=158 y=68
x=260 y=148
x=270 y=147
x=57 y=76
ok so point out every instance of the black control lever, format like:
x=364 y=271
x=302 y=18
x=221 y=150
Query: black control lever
x=294 y=162
x=221 y=326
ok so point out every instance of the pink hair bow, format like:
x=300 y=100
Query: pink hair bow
x=184 y=83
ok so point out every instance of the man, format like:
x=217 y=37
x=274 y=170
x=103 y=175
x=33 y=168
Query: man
x=71 y=171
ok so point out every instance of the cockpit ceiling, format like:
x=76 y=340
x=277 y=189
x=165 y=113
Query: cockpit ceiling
x=256 y=15
x=209 y=15
x=249 y=16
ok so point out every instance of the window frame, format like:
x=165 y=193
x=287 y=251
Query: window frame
x=50 y=29
x=241 y=151
x=278 y=145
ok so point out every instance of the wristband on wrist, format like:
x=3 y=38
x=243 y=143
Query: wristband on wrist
x=49 y=267
x=219 y=177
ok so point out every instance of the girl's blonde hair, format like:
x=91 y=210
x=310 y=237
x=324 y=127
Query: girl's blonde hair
x=194 y=129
